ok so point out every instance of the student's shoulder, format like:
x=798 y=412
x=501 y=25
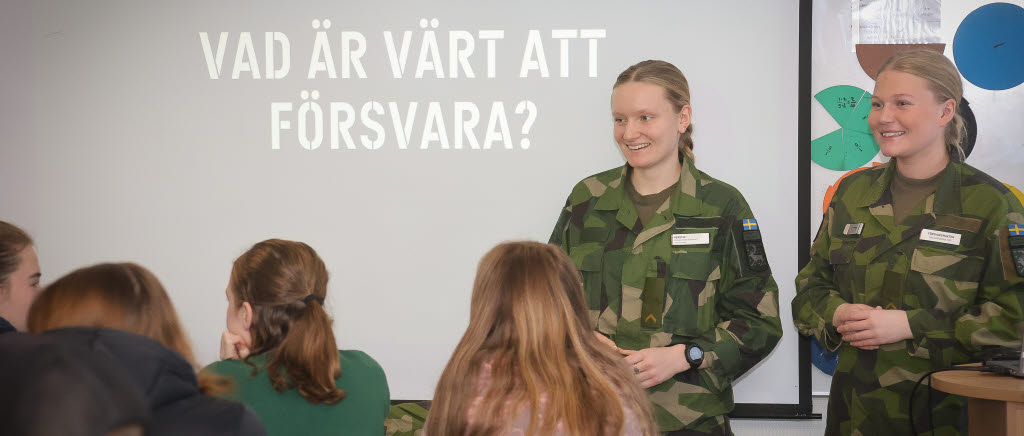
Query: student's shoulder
x=982 y=191
x=596 y=185
x=357 y=359
x=228 y=367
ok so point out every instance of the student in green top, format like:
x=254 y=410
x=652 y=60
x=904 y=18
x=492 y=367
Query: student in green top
x=280 y=349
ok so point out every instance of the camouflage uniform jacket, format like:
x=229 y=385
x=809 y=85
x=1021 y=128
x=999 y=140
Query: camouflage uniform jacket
x=960 y=297
x=642 y=291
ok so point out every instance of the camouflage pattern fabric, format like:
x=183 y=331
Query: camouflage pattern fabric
x=960 y=298
x=405 y=419
x=712 y=288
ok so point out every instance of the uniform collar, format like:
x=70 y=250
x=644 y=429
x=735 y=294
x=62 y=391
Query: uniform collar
x=683 y=202
x=947 y=196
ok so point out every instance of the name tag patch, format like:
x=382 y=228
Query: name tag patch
x=853 y=229
x=940 y=237
x=679 y=239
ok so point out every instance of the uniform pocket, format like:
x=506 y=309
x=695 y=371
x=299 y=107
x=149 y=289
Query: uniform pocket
x=840 y=252
x=946 y=264
x=590 y=260
x=840 y=257
x=951 y=277
x=692 y=293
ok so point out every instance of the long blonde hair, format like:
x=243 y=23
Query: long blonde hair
x=944 y=81
x=528 y=319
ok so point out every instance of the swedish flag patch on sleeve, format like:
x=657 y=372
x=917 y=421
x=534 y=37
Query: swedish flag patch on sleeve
x=1016 y=239
x=756 y=259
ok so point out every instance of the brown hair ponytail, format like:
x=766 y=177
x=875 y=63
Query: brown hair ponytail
x=285 y=282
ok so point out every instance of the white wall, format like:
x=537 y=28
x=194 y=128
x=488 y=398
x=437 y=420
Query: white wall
x=118 y=145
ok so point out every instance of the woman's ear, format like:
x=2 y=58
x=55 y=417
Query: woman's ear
x=246 y=315
x=948 y=110
x=684 y=118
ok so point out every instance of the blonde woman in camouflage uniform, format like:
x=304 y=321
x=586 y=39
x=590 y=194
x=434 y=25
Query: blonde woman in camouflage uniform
x=672 y=262
x=913 y=266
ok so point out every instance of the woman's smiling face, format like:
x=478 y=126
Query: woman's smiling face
x=647 y=127
x=906 y=117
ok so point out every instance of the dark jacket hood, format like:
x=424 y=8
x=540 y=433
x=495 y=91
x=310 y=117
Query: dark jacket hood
x=163 y=375
x=168 y=382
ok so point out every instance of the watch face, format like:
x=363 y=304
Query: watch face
x=695 y=352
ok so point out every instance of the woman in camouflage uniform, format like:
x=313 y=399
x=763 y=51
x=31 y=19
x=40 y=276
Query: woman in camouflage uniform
x=911 y=270
x=671 y=258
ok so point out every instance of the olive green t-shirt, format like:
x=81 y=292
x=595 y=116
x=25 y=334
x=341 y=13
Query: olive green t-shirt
x=362 y=412
x=907 y=193
x=646 y=205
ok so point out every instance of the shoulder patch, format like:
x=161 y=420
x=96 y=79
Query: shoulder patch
x=1016 y=237
x=756 y=258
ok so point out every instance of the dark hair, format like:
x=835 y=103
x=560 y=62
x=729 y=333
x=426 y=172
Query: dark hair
x=12 y=241
x=672 y=80
x=285 y=282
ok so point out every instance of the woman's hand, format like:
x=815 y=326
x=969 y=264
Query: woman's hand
x=867 y=329
x=233 y=346
x=847 y=311
x=652 y=366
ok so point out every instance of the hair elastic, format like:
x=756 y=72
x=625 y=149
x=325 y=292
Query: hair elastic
x=311 y=297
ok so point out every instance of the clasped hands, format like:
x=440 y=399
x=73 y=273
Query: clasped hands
x=651 y=366
x=867 y=327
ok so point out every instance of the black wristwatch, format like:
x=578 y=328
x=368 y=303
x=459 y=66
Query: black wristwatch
x=694 y=356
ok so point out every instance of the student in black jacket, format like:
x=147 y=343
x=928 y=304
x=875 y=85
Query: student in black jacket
x=56 y=389
x=122 y=311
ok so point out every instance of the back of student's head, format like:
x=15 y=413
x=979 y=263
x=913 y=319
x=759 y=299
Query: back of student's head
x=285 y=282
x=57 y=389
x=122 y=296
x=529 y=323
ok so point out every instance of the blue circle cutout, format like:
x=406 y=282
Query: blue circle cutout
x=824 y=360
x=989 y=46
